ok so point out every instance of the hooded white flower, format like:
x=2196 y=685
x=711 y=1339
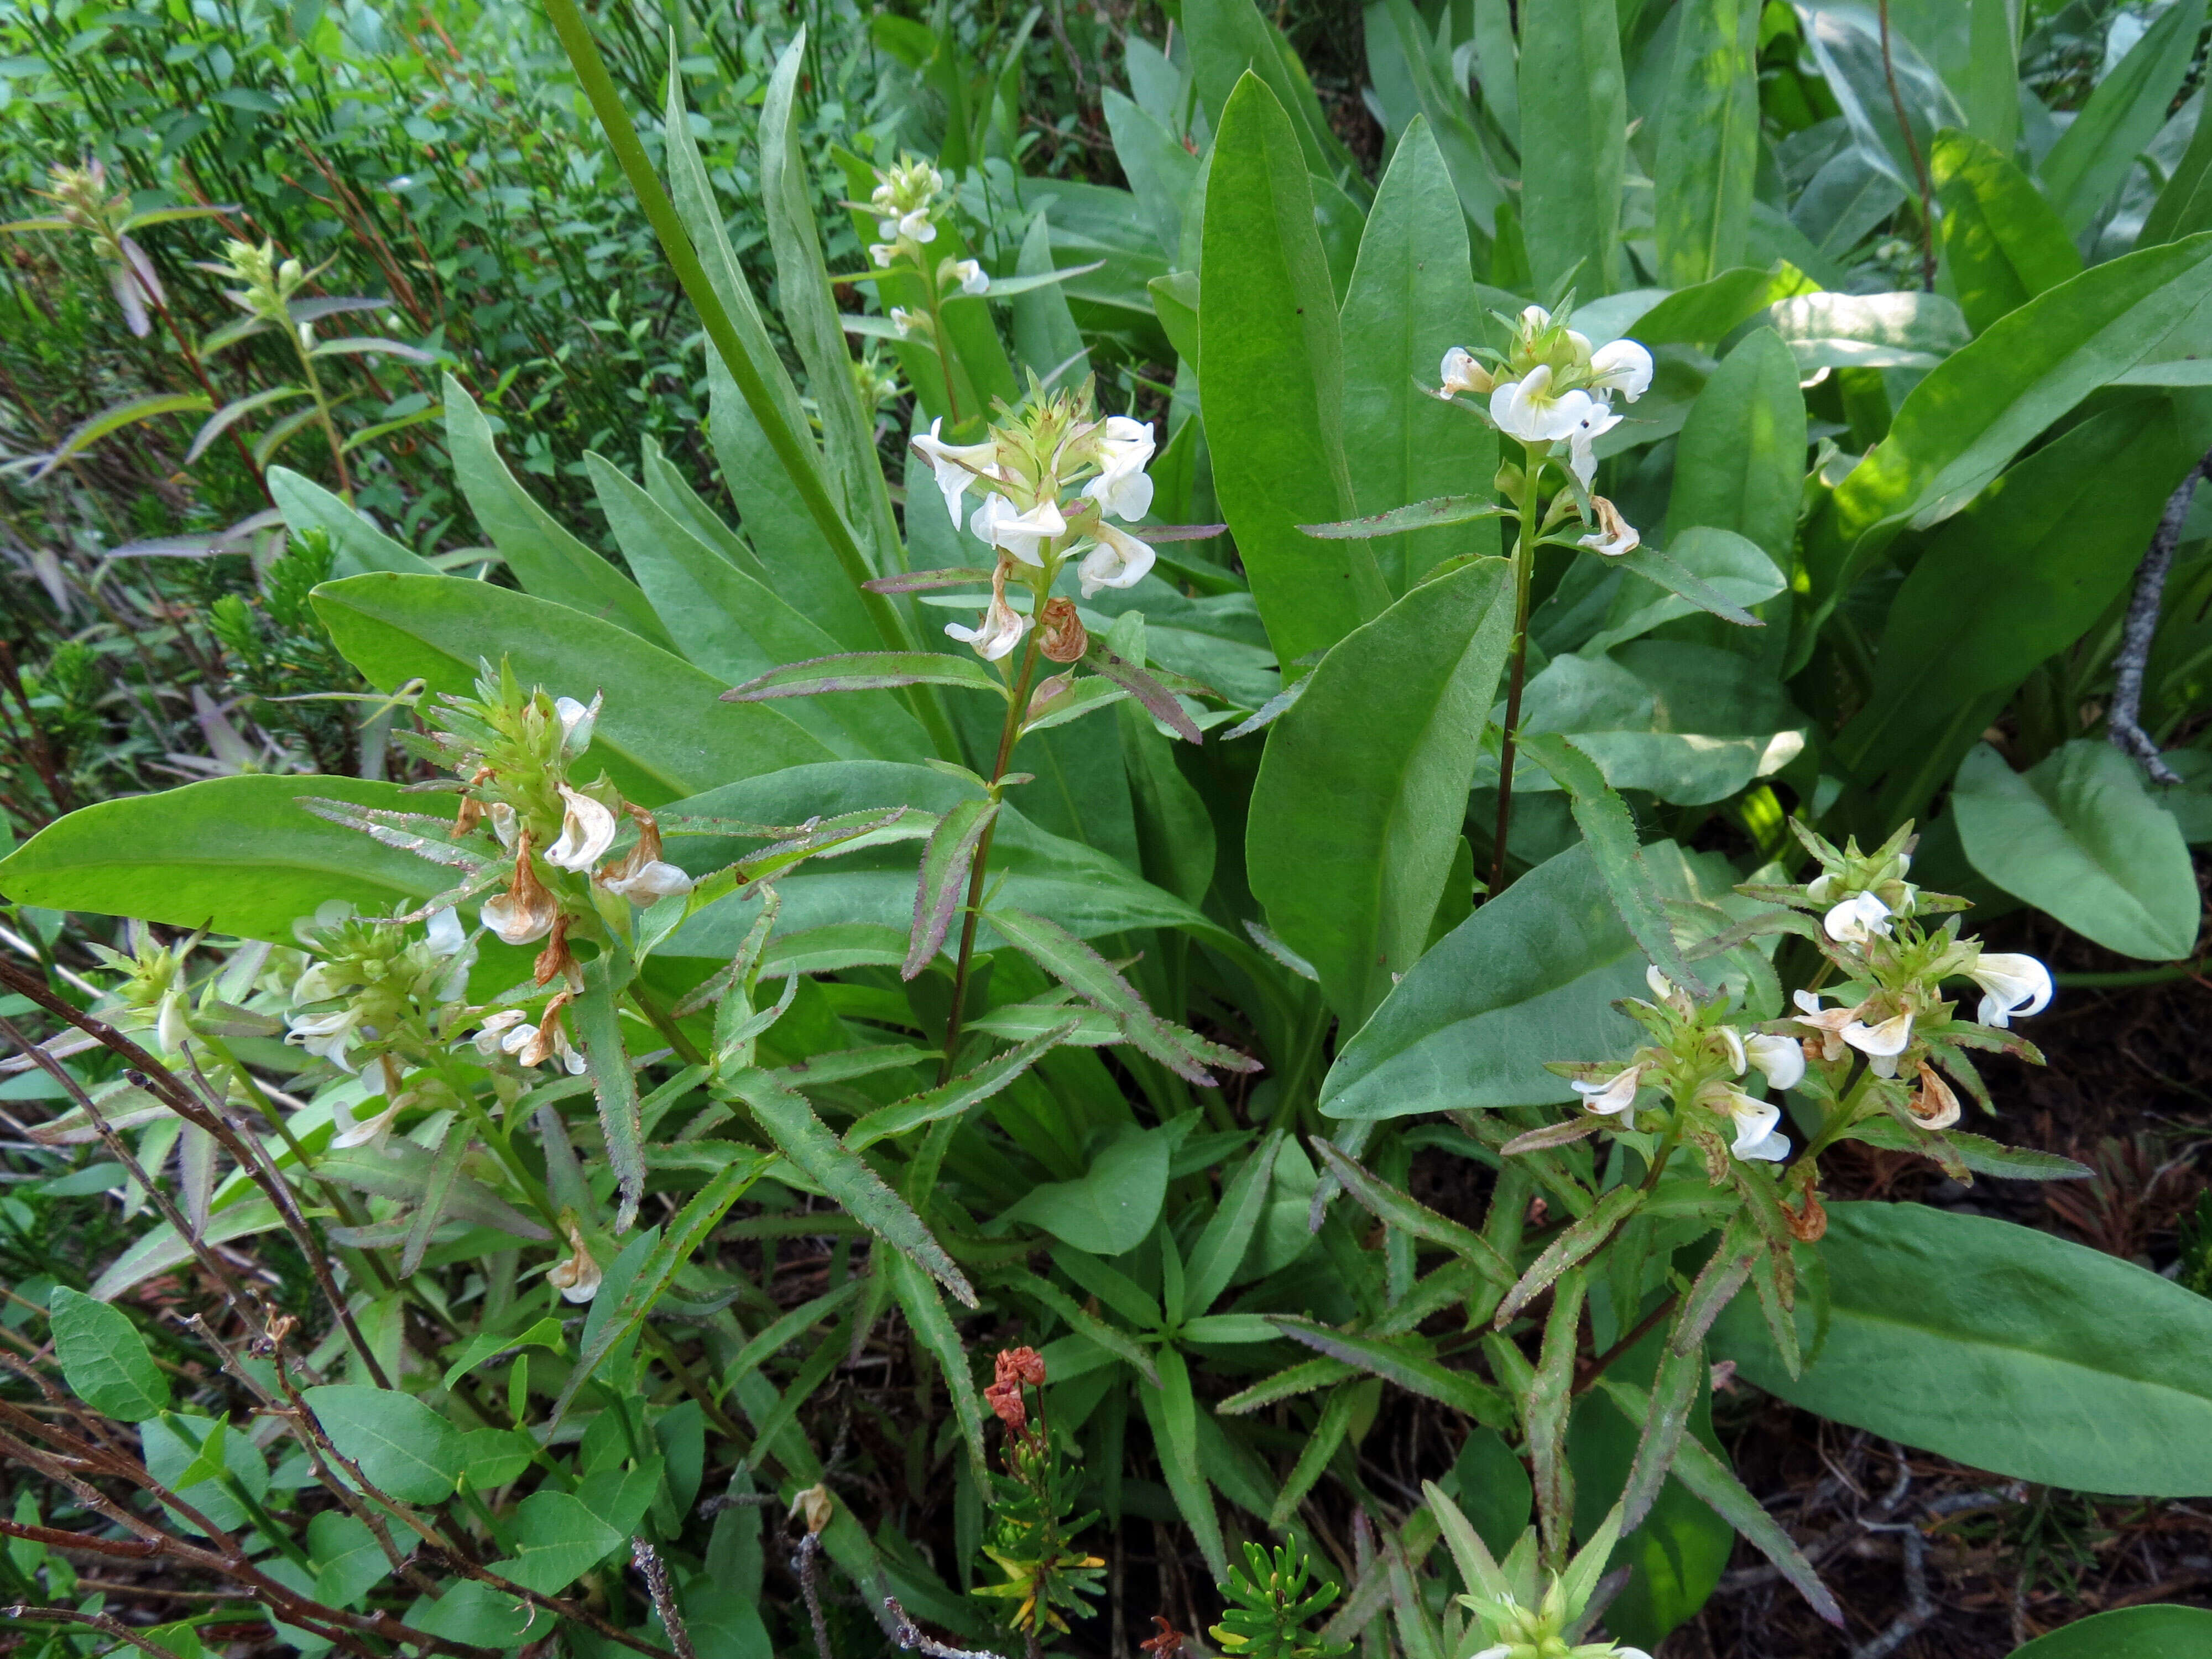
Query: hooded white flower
x=1528 y=408
x=444 y=934
x=1616 y=1094
x=1593 y=419
x=525 y=912
x=578 y=721
x=1462 y=371
x=1857 y=919
x=1624 y=367
x=490 y=1036
x=533 y=1045
x=373 y=1133
x=1119 y=560
x=1614 y=535
x=973 y=277
x=1780 y=1058
x=577 y=1277
x=907 y=322
x=1757 y=1132
x=1534 y=319
x=1122 y=487
x=956 y=465
x=642 y=875
x=1010 y=531
x=1882 y=1044
x=2011 y=985
x=503 y=824
x=998 y=633
x=1830 y=1022
x=587 y=829
x=1732 y=1039
x=882 y=254
x=327 y=1036
x=918 y=225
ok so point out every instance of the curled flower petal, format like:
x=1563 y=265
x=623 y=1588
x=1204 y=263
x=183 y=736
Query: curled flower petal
x=973 y=277
x=444 y=934
x=1624 y=367
x=577 y=1278
x=1461 y=371
x=1857 y=919
x=1732 y=1041
x=1885 y=1040
x=1614 y=535
x=1592 y=419
x=1122 y=487
x=1933 y=1104
x=587 y=829
x=1780 y=1058
x=2011 y=986
x=1616 y=1094
x=1005 y=528
x=1119 y=560
x=956 y=465
x=997 y=633
x=1830 y=1022
x=523 y=914
x=1758 y=1134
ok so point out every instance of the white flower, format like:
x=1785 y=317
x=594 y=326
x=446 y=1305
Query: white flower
x=1781 y=1058
x=918 y=225
x=577 y=722
x=1460 y=371
x=577 y=1277
x=1757 y=1134
x=1732 y=1039
x=587 y=829
x=1614 y=535
x=1527 y=408
x=444 y=934
x=973 y=277
x=327 y=1036
x=640 y=875
x=1857 y=919
x=1122 y=487
x=1593 y=419
x=533 y=1045
x=1022 y=534
x=997 y=633
x=1830 y=1022
x=489 y=1039
x=907 y=322
x=172 y=1025
x=1933 y=1107
x=2010 y=985
x=887 y=227
x=1881 y=1044
x=523 y=914
x=1667 y=992
x=503 y=824
x=1534 y=319
x=956 y=465
x=1624 y=367
x=1119 y=560
x=881 y=252
x=1616 y=1094
x=373 y=1133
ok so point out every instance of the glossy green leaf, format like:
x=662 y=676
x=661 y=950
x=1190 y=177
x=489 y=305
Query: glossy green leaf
x=2080 y=836
x=348 y=1560
x=557 y=1539
x=1707 y=569
x=551 y=563
x=1963 y=424
x=1162 y=174
x=240 y=855
x=359 y=545
x=2130 y=105
x=1867 y=331
x=1362 y=790
x=1274 y=382
x=663 y=734
x=104 y=1358
x=400 y=1444
x=1708 y=142
x=1529 y=978
x=1996 y=1345
x=2183 y=206
x=1574 y=126
x=1229 y=38
x=1112 y=1206
x=2002 y=242
x=1411 y=297
x=1740 y=461
x=2152 y=1633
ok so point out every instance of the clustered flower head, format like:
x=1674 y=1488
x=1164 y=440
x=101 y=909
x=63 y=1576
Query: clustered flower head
x=1692 y=1068
x=82 y=202
x=1550 y=387
x=908 y=201
x=1517 y=1613
x=154 y=995
x=1538 y=1632
x=1050 y=475
x=266 y=284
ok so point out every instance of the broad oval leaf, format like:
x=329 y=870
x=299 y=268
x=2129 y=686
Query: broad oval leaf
x=2153 y=1632
x=104 y=1358
x=400 y=1444
x=2080 y=836
x=2003 y=1347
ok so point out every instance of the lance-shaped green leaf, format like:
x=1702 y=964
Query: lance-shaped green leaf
x=1221 y=1247
x=1158 y=701
x=1723 y=1274
x=1570 y=1250
x=1411 y=297
x=445 y=1170
x=1961 y=426
x=1674 y=575
x=661 y=735
x=806 y=1141
x=1362 y=792
x=868 y=671
x=401 y=1170
x=947 y=859
x=1546 y=1409
x=1708 y=142
x=956 y=1096
x=1112 y=1339
x=1715 y=1483
x=1435 y=514
x=1275 y=382
x=1076 y=965
x=2124 y=112
x=1977 y=1152
x=104 y=1358
x=925 y=1314
x=114 y=419
x=549 y=561
x=2002 y=242
x=1327 y=1435
x=1610 y=834
x=1574 y=144
x=1673 y=1395
x=1397 y=1361
x=1172 y=1413
x=614 y=1084
x=1395 y=1209
x=1288 y=1384
x=678 y=1243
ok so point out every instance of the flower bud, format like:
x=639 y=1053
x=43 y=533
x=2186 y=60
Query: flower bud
x=1061 y=635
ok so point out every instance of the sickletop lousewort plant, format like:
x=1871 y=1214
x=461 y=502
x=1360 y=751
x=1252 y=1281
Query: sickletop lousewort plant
x=1873 y=1038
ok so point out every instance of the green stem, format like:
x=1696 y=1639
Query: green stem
x=944 y=353
x=323 y=411
x=1524 y=560
x=1007 y=735
x=665 y=1023
x=621 y=137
